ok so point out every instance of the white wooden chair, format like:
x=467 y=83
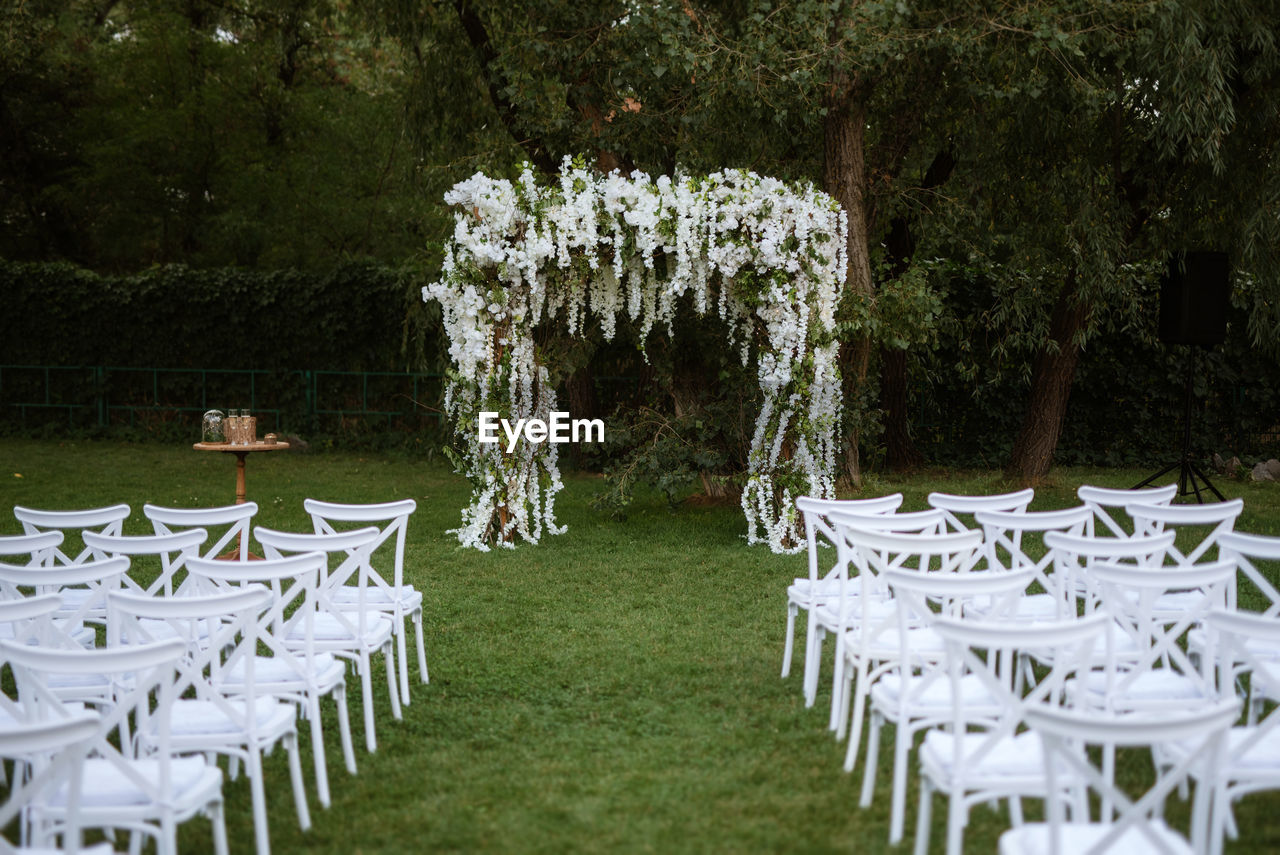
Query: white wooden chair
x=105 y=520
x=37 y=548
x=352 y=628
x=221 y=633
x=296 y=668
x=53 y=750
x=227 y=526
x=956 y=505
x=1105 y=501
x=172 y=551
x=821 y=587
x=388 y=590
x=976 y=761
x=1139 y=826
x=914 y=692
x=121 y=789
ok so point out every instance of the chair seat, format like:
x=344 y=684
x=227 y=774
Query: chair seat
x=922 y=641
x=327 y=628
x=1021 y=755
x=192 y=717
x=106 y=786
x=806 y=591
x=96 y=849
x=1033 y=839
x=1172 y=602
x=876 y=610
x=407 y=597
x=937 y=695
x=1028 y=607
x=1154 y=685
x=270 y=672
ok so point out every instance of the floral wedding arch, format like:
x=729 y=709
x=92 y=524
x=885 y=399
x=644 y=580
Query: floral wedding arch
x=767 y=257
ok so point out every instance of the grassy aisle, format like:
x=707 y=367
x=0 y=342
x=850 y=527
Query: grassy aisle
x=613 y=689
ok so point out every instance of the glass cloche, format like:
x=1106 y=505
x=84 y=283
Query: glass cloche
x=211 y=427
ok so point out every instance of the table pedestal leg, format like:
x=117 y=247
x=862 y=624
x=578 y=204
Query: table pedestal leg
x=240 y=456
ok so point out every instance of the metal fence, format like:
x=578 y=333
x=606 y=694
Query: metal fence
x=282 y=399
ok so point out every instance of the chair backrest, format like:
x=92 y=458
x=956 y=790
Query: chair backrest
x=1218 y=518
x=392 y=521
x=138 y=673
x=1104 y=500
x=220 y=632
x=1073 y=555
x=953 y=505
x=1253 y=554
x=38 y=548
x=173 y=550
x=347 y=556
x=1003 y=535
x=96 y=578
x=1245 y=642
x=989 y=650
x=1132 y=597
x=228 y=522
x=1064 y=732
x=293 y=582
x=107 y=520
x=26 y=619
x=54 y=751
x=918 y=594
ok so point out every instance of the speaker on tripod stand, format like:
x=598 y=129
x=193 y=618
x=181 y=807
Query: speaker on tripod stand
x=1194 y=296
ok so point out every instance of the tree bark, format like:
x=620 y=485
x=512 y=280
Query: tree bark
x=845 y=179
x=1051 y=379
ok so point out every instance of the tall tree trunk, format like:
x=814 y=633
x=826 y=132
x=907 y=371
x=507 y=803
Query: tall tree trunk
x=1051 y=378
x=845 y=178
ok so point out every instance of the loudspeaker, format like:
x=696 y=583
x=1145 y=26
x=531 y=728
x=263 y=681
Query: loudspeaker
x=1194 y=296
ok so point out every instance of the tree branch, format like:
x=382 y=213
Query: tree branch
x=478 y=36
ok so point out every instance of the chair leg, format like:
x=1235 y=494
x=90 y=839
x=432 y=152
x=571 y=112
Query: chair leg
x=218 y=820
x=366 y=694
x=789 y=643
x=317 y=752
x=403 y=654
x=924 y=815
x=299 y=785
x=392 y=688
x=859 y=713
x=344 y=728
x=873 y=754
x=956 y=820
x=167 y=842
x=813 y=637
x=258 y=796
x=422 y=652
x=898 y=810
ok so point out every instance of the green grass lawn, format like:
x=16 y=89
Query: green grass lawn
x=613 y=689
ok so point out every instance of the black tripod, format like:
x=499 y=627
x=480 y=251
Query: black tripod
x=1190 y=475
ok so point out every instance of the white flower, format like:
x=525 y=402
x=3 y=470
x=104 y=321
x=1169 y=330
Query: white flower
x=791 y=240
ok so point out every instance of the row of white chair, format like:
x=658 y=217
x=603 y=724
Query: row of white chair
x=892 y=552
x=304 y=612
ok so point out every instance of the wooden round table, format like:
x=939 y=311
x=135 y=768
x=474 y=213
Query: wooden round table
x=241 y=452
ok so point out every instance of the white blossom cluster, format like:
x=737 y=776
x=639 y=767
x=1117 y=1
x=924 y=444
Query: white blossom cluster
x=767 y=257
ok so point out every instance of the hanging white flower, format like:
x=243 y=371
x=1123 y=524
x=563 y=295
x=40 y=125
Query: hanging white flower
x=726 y=234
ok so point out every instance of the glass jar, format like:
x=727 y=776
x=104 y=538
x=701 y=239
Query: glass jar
x=233 y=427
x=250 y=426
x=211 y=427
